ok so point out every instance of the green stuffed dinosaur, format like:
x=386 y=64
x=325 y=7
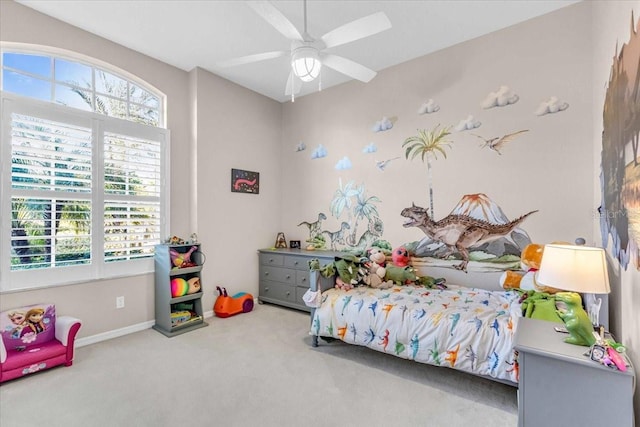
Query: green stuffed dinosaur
x=540 y=305
x=400 y=275
x=432 y=282
x=348 y=269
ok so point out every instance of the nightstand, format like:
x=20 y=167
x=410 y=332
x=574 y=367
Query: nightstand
x=560 y=386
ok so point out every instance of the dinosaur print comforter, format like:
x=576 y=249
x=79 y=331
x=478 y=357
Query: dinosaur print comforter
x=462 y=328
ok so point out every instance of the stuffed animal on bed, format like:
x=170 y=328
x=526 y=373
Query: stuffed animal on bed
x=400 y=257
x=401 y=275
x=530 y=260
x=432 y=282
x=350 y=272
x=376 y=270
x=540 y=305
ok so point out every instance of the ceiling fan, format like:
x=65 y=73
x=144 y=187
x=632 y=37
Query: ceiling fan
x=307 y=53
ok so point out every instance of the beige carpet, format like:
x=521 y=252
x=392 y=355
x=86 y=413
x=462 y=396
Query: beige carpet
x=254 y=369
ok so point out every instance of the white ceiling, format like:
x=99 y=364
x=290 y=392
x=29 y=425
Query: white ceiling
x=190 y=33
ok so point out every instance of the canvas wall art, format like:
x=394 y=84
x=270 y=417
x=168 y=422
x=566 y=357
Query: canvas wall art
x=243 y=181
x=620 y=169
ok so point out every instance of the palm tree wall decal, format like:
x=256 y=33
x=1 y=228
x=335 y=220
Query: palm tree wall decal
x=428 y=143
x=353 y=200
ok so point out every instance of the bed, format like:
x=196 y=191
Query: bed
x=468 y=329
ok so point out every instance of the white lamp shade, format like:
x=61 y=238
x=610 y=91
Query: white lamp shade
x=306 y=64
x=574 y=268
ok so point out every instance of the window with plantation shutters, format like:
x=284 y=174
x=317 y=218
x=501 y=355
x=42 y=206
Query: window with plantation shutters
x=132 y=196
x=83 y=191
x=50 y=193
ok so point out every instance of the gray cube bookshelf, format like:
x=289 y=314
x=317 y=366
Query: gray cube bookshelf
x=171 y=311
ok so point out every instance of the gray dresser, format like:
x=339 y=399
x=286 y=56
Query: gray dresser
x=284 y=275
x=560 y=386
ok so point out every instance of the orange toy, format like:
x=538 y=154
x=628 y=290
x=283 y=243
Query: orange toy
x=226 y=306
x=526 y=279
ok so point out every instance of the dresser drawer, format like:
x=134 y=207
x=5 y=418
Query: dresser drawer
x=272 y=259
x=278 y=274
x=277 y=291
x=302 y=278
x=297 y=262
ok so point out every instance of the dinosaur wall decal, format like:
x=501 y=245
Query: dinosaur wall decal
x=337 y=237
x=315 y=228
x=458 y=232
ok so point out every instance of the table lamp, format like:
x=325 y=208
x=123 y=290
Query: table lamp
x=575 y=269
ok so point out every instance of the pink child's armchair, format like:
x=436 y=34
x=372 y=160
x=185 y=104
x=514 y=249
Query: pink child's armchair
x=33 y=339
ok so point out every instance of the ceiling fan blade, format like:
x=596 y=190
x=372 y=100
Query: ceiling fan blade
x=293 y=85
x=348 y=67
x=274 y=17
x=251 y=58
x=358 y=29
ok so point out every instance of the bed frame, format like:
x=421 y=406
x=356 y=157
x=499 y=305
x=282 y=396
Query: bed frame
x=326 y=283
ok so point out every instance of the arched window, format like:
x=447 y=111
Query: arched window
x=81 y=85
x=84 y=157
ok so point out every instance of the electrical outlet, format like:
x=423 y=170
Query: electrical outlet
x=120 y=302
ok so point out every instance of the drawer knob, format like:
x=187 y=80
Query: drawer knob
x=288 y=293
x=266 y=273
x=266 y=289
x=295 y=263
x=288 y=276
x=304 y=279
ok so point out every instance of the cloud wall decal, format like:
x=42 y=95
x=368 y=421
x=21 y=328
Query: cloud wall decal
x=428 y=107
x=467 y=124
x=319 y=152
x=501 y=98
x=343 y=164
x=371 y=148
x=551 y=106
x=382 y=125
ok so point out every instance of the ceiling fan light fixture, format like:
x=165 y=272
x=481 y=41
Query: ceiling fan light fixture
x=306 y=64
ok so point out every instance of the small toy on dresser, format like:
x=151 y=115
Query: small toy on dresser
x=608 y=352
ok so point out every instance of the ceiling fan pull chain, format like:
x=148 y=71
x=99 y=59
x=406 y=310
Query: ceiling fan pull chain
x=320 y=81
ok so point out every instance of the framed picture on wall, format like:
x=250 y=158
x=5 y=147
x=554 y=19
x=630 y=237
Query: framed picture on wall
x=243 y=181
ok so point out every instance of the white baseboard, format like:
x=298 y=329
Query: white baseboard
x=93 y=339
x=81 y=342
